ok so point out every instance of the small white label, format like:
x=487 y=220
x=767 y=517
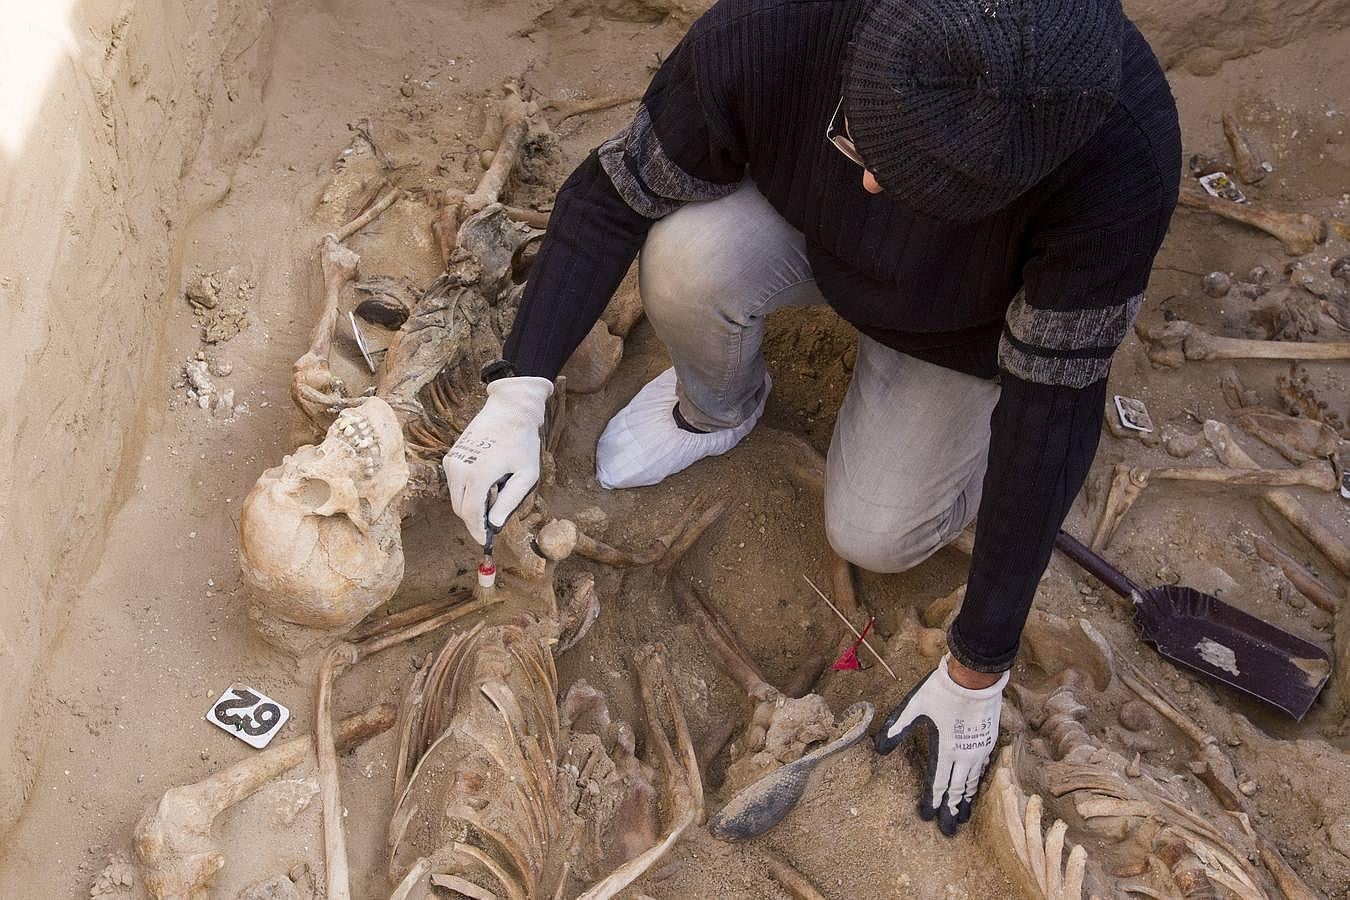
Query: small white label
x=249 y=715
x=1218 y=184
x=1133 y=414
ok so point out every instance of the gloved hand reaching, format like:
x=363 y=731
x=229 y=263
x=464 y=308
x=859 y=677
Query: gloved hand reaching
x=501 y=441
x=962 y=726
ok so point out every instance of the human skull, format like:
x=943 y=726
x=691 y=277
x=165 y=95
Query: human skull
x=320 y=545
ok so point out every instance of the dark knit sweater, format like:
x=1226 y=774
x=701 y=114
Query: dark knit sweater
x=1038 y=295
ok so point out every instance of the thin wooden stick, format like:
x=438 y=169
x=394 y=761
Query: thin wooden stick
x=845 y=620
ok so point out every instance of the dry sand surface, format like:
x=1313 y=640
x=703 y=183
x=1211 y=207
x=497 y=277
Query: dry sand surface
x=158 y=628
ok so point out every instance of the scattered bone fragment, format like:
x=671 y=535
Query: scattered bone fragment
x=1200 y=165
x=200 y=389
x=1320 y=536
x=1236 y=394
x=116 y=879
x=1290 y=313
x=1299 y=233
x=593 y=362
x=1181 y=444
x=1216 y=284
x=1248 y=165
x=1170 y=344
x=1298 y=440
x=279 y=887
x=172 y=840
x=797 y=885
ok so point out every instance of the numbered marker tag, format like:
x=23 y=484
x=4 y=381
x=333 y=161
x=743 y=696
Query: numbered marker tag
x=249 y=715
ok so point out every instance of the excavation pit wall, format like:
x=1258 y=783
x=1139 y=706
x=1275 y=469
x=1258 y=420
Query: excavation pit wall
x=119 y=123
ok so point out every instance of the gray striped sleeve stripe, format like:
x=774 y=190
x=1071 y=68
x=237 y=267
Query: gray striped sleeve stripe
x=646 y=178
x=1074 y=329
x=1064 y=371
x=1070 y=348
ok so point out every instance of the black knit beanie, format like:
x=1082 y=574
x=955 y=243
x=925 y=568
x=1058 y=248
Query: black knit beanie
x=960 y=106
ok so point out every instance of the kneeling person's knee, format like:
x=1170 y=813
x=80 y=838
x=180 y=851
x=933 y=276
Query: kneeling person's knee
x=880 y=551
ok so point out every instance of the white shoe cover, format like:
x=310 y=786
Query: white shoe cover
x=643 y=444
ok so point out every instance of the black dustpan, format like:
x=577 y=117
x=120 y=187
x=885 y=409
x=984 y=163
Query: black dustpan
x=1205 y=634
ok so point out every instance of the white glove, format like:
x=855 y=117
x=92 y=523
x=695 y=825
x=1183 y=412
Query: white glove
x=499 y=448
x=962 y=727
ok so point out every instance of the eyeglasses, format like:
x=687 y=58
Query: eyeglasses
x=837 y=133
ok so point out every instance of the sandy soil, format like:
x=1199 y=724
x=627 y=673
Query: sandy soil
x=159 y=631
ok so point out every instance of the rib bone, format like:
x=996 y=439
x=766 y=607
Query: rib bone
x=1173 y=343
x=1300 y=233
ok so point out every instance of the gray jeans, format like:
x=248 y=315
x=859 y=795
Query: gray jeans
x=907 y=460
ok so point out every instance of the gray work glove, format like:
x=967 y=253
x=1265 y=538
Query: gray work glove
x=962 y=726
x=502 y=442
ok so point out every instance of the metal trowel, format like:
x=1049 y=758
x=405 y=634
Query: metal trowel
x=1203 y=633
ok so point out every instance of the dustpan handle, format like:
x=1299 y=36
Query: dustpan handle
x=1094 y=565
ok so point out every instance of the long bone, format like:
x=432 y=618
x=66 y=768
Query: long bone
x=337 y=659
x=1212 y=766
x=313 y=388
x=1300 y=233
x=1173 y=343
x=1333 y=548
x=1307 y=584
x=683 y=781
x=1128 y=483
x=172 y=840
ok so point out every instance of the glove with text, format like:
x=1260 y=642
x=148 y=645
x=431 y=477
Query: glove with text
x=501 y=442
x=962 y=726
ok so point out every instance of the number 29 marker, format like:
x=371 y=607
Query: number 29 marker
x=249 y=715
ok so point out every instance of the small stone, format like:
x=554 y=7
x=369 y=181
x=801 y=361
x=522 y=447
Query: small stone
x=1133 y=767
x=205 y=754
x=406 y=90
x=1341 y=268
x=1296 y=600
x=1234 y=741
x=1183 y=686
x=1248 y=787
x=1216 y=284
x=1258 y=275
x=593 y=520
x=1168 y=575
x=220 y=368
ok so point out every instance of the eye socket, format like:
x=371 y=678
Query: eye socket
x=313 y=492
